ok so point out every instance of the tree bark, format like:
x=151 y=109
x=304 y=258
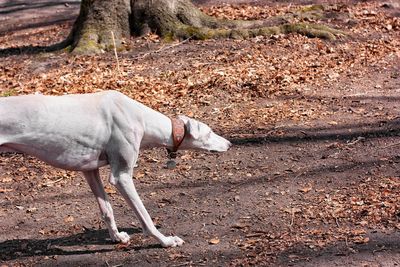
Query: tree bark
x=171 y=19
x=92 y=29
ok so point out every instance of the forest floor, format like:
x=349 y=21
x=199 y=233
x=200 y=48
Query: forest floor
x=313 y=178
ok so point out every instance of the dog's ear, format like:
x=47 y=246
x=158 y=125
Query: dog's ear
x=184 y=118
x=192 y=126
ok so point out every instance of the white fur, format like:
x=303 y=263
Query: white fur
x=85 y=132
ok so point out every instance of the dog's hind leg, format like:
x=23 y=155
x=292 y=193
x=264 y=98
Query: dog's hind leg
x=96 y=185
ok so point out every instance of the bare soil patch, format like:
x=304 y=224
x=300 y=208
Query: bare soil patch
x=312 y=179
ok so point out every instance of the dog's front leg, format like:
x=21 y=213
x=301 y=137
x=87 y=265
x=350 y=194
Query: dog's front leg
x=125 y=185
x=122 y=154
x=94 y=181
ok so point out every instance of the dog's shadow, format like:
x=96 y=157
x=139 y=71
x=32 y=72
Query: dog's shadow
x=88 y=242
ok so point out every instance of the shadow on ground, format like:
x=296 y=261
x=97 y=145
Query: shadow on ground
x=88 y=242
x=17 y=15
x=365 y=131
x=337 y=254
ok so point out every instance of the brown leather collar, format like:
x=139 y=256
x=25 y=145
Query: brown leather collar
x=178 y=134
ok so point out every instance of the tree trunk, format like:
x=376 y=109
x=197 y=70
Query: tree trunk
x=100 y=20
x=97 y=21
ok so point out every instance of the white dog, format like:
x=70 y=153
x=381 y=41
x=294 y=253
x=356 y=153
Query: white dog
x=86 y=132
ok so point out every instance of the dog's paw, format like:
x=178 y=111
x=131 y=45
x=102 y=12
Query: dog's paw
x=172 y=241
x=122 y=237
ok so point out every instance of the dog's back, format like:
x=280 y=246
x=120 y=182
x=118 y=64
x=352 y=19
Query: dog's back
x=64 y=131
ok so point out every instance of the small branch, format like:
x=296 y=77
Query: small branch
x=53 y=182
x=108 y=265
x=391 y=145
x=182 y=264
x=115 y=51
x=359 y=139
x=292 y=219
x=336 y=220
x=162 y=49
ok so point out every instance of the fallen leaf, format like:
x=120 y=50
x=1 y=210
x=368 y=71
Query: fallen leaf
x=31 y=210
x=69 y=218
x=6 y=180
x=306 y=189
x=239 y=225
x=175 y=256
x=139 y=175
x=214 y=241
x=361 y=240
x=122 y=245
x=22 y=169
x=292 y=210
x=358 y=232
x=110 y=190
x=5 y=190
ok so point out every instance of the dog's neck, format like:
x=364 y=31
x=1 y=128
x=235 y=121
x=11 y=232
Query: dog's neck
x=157 y=131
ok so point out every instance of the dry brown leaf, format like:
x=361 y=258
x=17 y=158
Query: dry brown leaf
x=214 y=241
x=68 y=219
x=139 y=175
x=122 y=246
x=361 y=240
x=110 y=190
x=31 y=210
x=292 y=210
x=6 y=180
x=306 y=189
x=5 y=190
x=240 y=225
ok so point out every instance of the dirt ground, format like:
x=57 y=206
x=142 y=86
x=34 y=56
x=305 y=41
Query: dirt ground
x=312 y=178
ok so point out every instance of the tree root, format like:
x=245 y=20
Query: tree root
x=202 y=33
x=187 y=21
x=95 y=41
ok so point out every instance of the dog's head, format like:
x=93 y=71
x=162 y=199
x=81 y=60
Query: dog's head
x=200 y=137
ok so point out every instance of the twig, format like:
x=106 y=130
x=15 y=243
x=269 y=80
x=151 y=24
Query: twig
x=383 y=248
x=108 y=265
x=298 y=175
x=115 y=51
x=391 y=145
x=182 y=264
x=162 y=49
x=53 y=182
x=336 y=220
x=359 y=139
x=292 y=220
